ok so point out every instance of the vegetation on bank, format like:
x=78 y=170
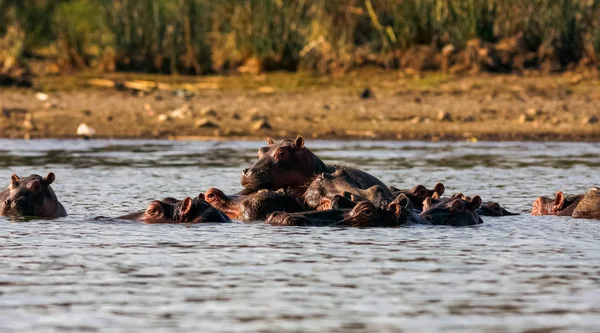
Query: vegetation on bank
x=207 y=36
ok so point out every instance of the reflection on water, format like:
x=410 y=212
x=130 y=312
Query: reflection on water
x=510 y=274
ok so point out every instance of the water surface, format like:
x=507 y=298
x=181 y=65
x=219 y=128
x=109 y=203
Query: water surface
x=520 y=273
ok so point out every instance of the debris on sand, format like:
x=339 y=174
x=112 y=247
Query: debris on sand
x=533 y=112
x=41 y=96
x=183 y=112
x=444 y=116
x=205 y=123
x=28 y=123
x=163 y=117
x=366 y=94
x=262 y=124
x=417 y=120
x=590 y=120
x=85 y=131
x=525 y=118
x=208 y=112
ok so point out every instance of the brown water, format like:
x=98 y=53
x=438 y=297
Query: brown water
x=520 y=273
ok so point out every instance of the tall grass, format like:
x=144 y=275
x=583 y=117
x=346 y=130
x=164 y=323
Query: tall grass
x=201 y=36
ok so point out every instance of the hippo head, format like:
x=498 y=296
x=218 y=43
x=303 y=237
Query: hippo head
x=287 y=164
x=159 y=211
x=543 y=206
x=493 y=209
x=32 y=196
x=287 y=219
x=564 y=205
x=188 y=210
x=455 y=211
x=419 y=193
x=217 y=198
x=364 y=214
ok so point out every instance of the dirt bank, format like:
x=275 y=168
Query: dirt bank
x=434 y=107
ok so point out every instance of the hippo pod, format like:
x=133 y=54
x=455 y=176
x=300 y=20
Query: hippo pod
x=488 y=208
x=578 y=206
x=364 y=215
x=288 y=164
x=419 y=193
x=457 y=210
x=325 y=186
x=171 y=210
x=255 y=206
x=31 y=196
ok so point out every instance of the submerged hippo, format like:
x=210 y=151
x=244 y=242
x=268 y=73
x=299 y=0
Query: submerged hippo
x=419 y=193
x=171 y=210
x=561 y=205
x=363 y=214
x=290 y=165
x=454 y=211
x=492 y=208
x=254 y=206
x=489 y=208
x=325 y=186
x=589 y=206
x=31 y=196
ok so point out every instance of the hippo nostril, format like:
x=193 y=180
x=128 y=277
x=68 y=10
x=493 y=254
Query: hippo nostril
x=7 y=202
x=245 y=171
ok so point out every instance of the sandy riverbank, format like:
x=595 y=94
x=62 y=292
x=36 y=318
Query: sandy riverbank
x=434 y=107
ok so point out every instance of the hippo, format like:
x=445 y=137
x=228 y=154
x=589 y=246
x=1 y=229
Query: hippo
x=419 y=193
x=492 y=208
x=364 y=214
x=255 y=206
x=326 y=185
x=288 y=164
x=31 y=196
x=171 y=210
x=561 y=205
x=454 y=211
x=319 y=218
x=589 y=206
x=488 y=208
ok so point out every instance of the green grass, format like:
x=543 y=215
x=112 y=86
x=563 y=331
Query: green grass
x=207 y=36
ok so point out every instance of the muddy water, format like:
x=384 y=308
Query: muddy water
x=509 y=274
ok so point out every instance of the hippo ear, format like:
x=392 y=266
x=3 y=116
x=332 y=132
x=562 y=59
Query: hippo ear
x=50 y=178
x=457 y=206
x=154 y=209
x=402 y=200
x=186 y=206
x=427 y=203
x=420 y=191
x=299 y=142
x=439 y=188
x=435 y=195
x=559 y=201
x=395 y=208
x=458 y=195
x=14 y=180
x=476 y=201
x=270 y=141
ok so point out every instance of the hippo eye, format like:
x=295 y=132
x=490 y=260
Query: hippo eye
x=367 y=212
x=210 y=195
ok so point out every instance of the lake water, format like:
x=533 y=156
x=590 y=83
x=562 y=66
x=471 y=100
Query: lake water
x=521 y=273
